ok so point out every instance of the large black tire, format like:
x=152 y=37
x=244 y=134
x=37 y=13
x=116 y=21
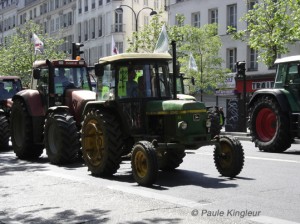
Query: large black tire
x=102 y=143
x=21 y=132
x=4 y=132
x=229 y=156
x=170 y=159
x=144 y=163
x=269 y=126
x=61 y=138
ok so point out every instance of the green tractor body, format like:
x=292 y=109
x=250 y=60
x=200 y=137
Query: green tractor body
x=48 y=114
x=137 y=113
x=274 y=114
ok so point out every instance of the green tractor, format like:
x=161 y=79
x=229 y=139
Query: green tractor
x=274 y=114
x=48 y=114
x=137 y=113
x=9 y=86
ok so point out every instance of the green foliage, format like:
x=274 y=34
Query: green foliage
x=272 y=25
x=18 y=51
x=202 y=42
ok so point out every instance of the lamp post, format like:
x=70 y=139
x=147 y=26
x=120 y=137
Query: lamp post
x=201 y=77
x=136 y=17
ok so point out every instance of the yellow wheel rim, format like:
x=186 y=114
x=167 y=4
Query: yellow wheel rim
x=225 y=155
x=141 y=165
x=93 y=143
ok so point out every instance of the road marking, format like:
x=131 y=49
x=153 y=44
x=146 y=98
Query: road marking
x=271 y=220
x=254 y=157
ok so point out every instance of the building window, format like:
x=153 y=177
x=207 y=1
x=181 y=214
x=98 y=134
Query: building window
x=118 y=22
x=251 y=4
x=231 y=59
x=252 y=59
x=213 y=16
x=178 y=23
x=86 y=5
x=232 y=15
x=93 y=4
x=100 y=2
x=108 y=49
x=145 y=2
x=85 y=31
x=80 y=7
x=92 y=28
x=100 y=26
x=79 y=32
x=107 y=1
x=196 y=19
x=119 y=46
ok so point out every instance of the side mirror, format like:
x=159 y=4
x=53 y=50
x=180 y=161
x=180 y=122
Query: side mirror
x=36 y=73
x=298 y=69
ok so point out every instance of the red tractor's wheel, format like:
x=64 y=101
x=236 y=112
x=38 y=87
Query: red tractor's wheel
x=21 y=130
x=61 y=138
x=229 y=156
x=144 y=163
x=102 y=142
x=269 y=125
x=4 y=132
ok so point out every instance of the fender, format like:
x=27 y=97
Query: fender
x=33 y=101
x=278 y=94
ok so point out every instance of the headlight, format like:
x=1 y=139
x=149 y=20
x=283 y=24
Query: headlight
x=208 y=123
x=182 y=125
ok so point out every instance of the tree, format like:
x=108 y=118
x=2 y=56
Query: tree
x=203 y=43
x=271 y=26
x=18 y=51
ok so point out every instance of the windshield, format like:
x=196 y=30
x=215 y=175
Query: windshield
x=8 y=88
x=73 y=77
x=134 y=81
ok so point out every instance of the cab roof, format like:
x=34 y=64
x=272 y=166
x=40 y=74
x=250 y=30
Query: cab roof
x=3 y=78
x=59 y=63
x=287 y=59
x=135 y=56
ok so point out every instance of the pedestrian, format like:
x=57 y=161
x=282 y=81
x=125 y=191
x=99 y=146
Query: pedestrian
x=222 y=117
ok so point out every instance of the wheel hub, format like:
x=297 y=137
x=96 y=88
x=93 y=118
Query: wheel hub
x=266 y=124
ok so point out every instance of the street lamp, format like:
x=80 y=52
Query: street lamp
x=136 y=16
x=201 y=77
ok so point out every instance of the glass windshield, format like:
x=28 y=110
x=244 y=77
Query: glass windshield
x=8 y=88
x=134 y=81
x=74 y=77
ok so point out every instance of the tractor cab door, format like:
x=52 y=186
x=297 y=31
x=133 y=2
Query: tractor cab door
x=40 y=82
x=292 y=83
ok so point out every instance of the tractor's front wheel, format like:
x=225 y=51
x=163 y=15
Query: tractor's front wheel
x=229 y=156
x=21 y=130
x=144 y=163
x=4 y=132
x=170 y=159
x=102 y=142
x=269 y=126
x=61 y=138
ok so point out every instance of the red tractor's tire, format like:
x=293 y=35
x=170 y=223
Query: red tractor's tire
x=61 y=138
x=102 y=143
x=170 y=159
x=21 y=132
x=4 y=133
x=144 y=163
x=229 y=156
x=269 y=126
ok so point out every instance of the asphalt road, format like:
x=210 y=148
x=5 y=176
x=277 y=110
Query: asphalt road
x=266 y=191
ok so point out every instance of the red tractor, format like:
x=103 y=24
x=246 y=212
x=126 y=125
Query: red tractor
x=9 y=86
x=48 y=114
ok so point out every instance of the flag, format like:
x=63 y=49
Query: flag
x=114 y=49
x=192 y=63
x=38 y=44
x=162 y=45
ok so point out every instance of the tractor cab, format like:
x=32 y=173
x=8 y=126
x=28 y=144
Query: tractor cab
x=54 y=78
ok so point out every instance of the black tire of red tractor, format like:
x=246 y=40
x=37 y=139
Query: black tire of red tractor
x=61 y=138
x=4 y=133
x=282 y=139
x=229 y=157
x=215 y=128
x=107 y=143
x=170 y=159
x=21 y=132
x=144 y=163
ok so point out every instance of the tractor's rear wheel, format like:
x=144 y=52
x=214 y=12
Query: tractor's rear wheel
x=4 y=132
x=102 y=142
x=61 y=138
x=170 y=159
x=144 y=163
x=21 y=130
x=269 y=126
x=229 y=156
